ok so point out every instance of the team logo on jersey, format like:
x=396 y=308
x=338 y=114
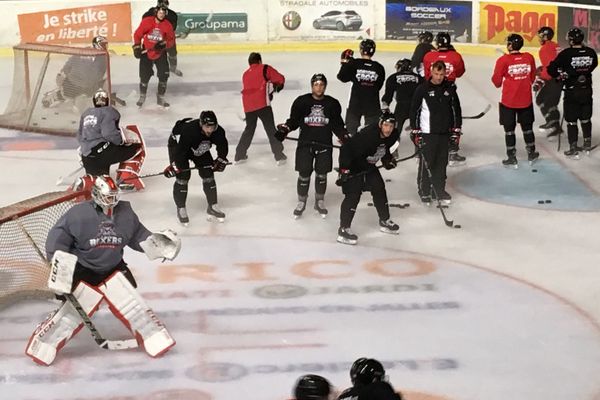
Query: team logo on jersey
x=408 y=78
x=291 y=20
x=581 y=62
x=155 y=35
x=366 y=77
x=519 y=71
x=106 y=236
x=90 y=121
x=317 y=116
x=379 y=153
x=202 y=148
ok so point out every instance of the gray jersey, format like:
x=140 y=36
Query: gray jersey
x=98 y=125
x=96 y=239
x=85 y=72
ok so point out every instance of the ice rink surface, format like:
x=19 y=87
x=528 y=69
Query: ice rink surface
x=506 y=307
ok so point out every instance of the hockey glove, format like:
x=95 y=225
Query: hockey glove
x=563 y=76
x=171 y=171
x=344 y=137
x=347 y=55
x=220 y=164
x=277 y=87
x=538 y=84
x=137 y=51
x=416 y=136
x=389 y=162
x=343 y=176
x=282 y=132
x=160 y=45
x=455 y=137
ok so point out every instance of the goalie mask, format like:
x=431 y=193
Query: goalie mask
x=100 y=43
x=100 y=98
x=105 y=193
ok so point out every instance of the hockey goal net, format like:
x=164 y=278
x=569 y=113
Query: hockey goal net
x=23 y=273
x=53 y=85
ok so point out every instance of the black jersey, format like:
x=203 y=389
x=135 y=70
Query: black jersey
x=373 y=391
x=435 y=108
x=578 y=63
x=366 y=148
x=194 y=143
x=403 y=85
x=317 y=119
x=171 y=16
x=367 y=77
x=416 y=62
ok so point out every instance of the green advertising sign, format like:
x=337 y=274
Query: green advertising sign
x=212 y=23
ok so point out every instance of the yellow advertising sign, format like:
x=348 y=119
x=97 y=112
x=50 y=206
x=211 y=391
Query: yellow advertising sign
x=498 y=20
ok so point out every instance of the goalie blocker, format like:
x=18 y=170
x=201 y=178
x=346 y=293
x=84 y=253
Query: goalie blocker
x=95 y=270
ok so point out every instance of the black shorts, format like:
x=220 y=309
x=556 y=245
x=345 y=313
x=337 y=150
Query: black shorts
x=313 y=157
x=578 y=105
x=510 y=116
x=203 y=163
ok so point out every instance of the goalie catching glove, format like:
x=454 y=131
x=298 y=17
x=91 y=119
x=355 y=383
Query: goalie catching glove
x=164 y=244
x=62 y=267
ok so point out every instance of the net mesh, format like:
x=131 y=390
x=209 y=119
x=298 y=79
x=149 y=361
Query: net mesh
x=23 y=273
x=52 y=86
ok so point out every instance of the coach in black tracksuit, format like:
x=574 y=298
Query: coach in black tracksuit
x=435 y=114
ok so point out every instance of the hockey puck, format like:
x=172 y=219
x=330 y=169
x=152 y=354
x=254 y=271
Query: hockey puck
x=534 y=170
x=457 y=226
x=541 y=201
x=548 y=201
x=388 y=180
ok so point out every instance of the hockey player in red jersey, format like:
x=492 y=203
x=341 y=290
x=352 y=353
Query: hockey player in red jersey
x=548 y=89
x=515 y=73
x=455 y=68
x=150 y=41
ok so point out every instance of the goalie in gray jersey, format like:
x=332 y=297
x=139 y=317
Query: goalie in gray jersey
x=81 y=75
x=86 y=248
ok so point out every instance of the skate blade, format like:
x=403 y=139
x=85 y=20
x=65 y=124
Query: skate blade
x=575 y=157
x=322 y=215
x=185 y=224
x=212 y=218
x=297 y=216
x=533 y=161
x=386 y=230
x=343 y=240
x=515 y=166
x=456 y=163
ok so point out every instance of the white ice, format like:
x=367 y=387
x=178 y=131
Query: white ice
x=506 y=307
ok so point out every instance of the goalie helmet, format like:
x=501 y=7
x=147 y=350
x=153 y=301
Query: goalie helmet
x=366 y=370
x=100 y=98
x=367 y=47
x=442 y=40
x=312 y=387
x=545 y=33
x=318 y=77
x=575 y=36
x=514 y=42
x=105 y=193
x=403 y=65
x=100 y=43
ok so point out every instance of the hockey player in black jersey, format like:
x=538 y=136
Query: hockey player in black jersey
x=435 y=116
x=574 y=67
x=367 y=77
x=318 y=116
x=191 y=140
x=172 y=18
x=424 y=47
x=358 y=173
x=368 y=382
x=312 y=387
x=401 y=87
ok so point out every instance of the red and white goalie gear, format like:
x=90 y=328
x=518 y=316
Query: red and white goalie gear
x=84 y=184
x=127 y=305
x=128 y=171
x=164 y=244
x=62 y=268
x=60 y=326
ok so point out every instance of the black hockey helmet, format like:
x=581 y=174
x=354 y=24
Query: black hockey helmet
x=442 y=40
x=545 y=33
x=366 y=370
x=318 y=77
x=100 y=98
x=403 y=65
x=387 y=116
x=162 y=3
x=208 y=117
x=575 y=36
x=99 y=42
x=514 y=41
x=425 y=37
x=312 y=387
x=367 y=46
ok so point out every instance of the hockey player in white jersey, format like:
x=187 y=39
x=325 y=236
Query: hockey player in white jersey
x=86 y=247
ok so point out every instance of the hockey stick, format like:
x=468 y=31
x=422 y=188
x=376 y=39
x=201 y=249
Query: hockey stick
x=481 y=114
x=183 y=34
x=334 y=146
x=449 y=223
x=361 y=173
x=100 y=341
x=68 y=179
x=162 y=173
x=117 y=100
x=562 y=119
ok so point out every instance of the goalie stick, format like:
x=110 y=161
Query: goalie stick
x=98 y=338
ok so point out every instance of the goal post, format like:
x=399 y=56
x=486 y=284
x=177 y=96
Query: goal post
x=22 y=273
x=52 y=85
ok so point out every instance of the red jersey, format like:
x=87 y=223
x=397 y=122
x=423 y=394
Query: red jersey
x=455 y=66
x=548 y=53
x=257 y=83
x=515 y=72
x=151 y=32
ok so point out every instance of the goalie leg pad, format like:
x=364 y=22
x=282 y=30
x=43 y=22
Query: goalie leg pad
x=128 y=171
x=129 y=307
x=60 y=326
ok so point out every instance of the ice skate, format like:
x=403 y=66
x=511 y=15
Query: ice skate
x=573 y=152
x=587 y=146
x=445 y=198
x=389 y=227
x=346 y=236
x=455 y=159
x=182 y=216
x=281 y=160
x=532 y=156
x=213 y=213
x=141 y=100
x=553 y=132
x=300 y=207
x=160 y=100
x=511 y=162
x=426 y=200
x=320 y=207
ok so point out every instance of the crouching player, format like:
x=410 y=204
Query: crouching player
x=86 y=248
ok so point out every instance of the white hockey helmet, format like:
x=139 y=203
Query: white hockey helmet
x=100 y=98
x=105 y=193
x=100 y=42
